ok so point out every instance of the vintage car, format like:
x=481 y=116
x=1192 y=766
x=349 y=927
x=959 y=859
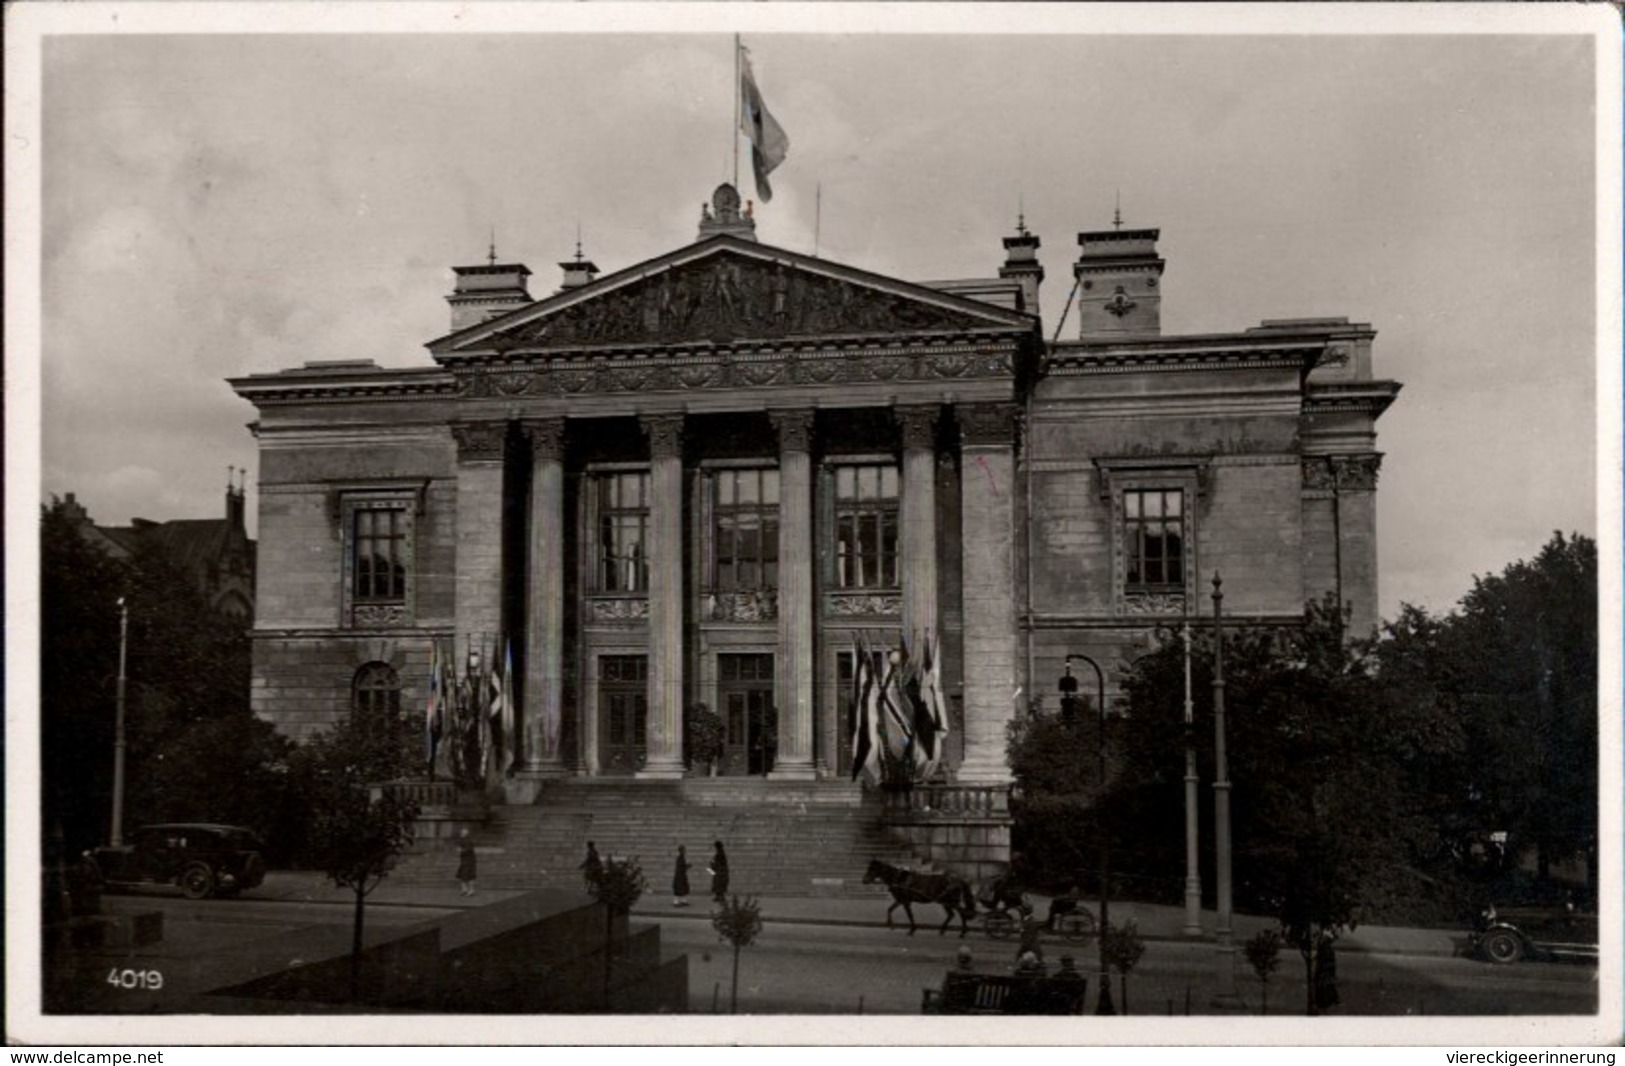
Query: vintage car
x=1507 y=934
x=203 y=859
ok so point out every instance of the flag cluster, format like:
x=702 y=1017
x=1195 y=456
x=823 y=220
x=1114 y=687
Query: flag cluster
x=475 y=710
x=898 y=708
x=769 y=145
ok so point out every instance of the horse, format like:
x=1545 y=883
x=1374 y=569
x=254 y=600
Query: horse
x=953 y=894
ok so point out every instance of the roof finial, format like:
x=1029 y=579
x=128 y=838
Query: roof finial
x=578 y=240
x=231 y=476
x=1117 y=212
x=492 y=256
x=1021 y=214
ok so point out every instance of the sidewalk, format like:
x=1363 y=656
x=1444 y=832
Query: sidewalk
x=1155 y=921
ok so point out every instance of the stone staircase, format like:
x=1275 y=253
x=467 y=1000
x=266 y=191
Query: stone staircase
x=782 y=838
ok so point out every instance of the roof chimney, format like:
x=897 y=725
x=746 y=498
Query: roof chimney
x=484 y=292
x=1119 y=276
x=1021 y=262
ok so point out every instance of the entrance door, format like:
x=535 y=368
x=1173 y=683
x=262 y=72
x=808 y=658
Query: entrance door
x=623 y=713
x=745 y=686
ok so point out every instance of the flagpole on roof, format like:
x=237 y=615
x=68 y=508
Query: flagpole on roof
x=737 y=47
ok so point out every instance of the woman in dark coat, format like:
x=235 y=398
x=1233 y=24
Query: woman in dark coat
x=592 y=868
x=679 y=879
x=465 y=863
x=719 y=874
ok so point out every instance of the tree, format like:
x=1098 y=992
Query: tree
x=619 y=887
x=705 y=736
x=358 y=827
x=1264 y=954
x=1519 y=664
x=1122 y=946
x=1055 y=763
x=739 y=922
x=1333 y=812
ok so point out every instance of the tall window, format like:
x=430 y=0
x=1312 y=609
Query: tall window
x=623 y=532
x=866 y=525
x=375 y=708
x=623 y=694
x=380 y=545
x=745 y=530
x=1153 y=521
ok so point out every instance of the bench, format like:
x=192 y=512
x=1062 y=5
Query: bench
x=997 y=993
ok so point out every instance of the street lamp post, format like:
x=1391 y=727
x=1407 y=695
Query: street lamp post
x=1104 y=1004
x=116 y=837
x=1226 y=994
x=1193 y=874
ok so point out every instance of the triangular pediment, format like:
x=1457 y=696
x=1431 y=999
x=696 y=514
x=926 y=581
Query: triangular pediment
x=729 y=291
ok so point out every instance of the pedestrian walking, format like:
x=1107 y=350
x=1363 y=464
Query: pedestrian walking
x=592 y=868
x=679 y=879
x=719 y=874
x=466 y=863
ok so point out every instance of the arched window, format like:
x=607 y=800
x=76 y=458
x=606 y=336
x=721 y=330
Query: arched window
x=375 y=698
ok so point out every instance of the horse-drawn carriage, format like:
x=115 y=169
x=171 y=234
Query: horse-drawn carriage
x=1006 y=908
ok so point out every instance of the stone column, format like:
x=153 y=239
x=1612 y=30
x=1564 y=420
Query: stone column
x=543 y=710
x=919 y=516
x=665 y=753
x=793 y=674
x=988 y=514
x=478 y=594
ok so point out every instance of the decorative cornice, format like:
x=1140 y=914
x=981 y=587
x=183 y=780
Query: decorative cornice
x=987 y=423
x=479 y=441
x=1354 y=397
x=1070 y=362
x=665 y=433
x=713 y=367
x=918 y=426
x=1341 y=473
x=794 y=429
x=546 y=439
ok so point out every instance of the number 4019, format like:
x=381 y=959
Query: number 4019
x=149 y=980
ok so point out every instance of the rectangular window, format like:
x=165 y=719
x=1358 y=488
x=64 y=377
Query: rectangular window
x=1154 y=538
x=866 y=527
x=745 y=530
x=623 y=683
x=623 y=532
x=379 y=543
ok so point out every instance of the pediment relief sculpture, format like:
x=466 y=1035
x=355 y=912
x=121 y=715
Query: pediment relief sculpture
x=729 y=297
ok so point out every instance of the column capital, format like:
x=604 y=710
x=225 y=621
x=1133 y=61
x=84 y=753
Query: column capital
x=987 y=423
x=665 y=433
x=546 y=437
x=478 y=441
x=794 y=428
x=919 y=426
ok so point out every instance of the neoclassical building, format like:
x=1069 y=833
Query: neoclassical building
x=699 y=478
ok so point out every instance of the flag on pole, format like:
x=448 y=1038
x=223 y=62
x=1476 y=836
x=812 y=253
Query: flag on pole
x=896 y=716
x=505 y=698
x=865 y=717
x=432 y=726
x=768 y=142
x=930 y=714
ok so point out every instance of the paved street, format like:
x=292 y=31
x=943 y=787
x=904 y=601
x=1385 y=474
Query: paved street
x=837 y=957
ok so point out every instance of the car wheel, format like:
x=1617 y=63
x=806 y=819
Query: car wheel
x=197 y=881
x=1502 y=946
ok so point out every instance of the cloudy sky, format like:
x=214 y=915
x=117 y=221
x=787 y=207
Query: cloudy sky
x=223 y=203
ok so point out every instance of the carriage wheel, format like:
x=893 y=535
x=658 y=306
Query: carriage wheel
x=1077 y=926
x=999 y=924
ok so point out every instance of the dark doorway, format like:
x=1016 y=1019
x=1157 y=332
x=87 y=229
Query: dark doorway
x=745 y=687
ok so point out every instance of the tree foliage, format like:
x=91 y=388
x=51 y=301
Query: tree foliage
x=739 y=922
x=194 y=750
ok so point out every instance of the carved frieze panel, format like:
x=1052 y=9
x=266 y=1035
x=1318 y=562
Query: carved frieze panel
x=726 y=297
x=479 y=440
x=1139 y=603
x=754 y=606
x=987 y=423
x=619 y=609
x=388 y=614
x=864 y=605
x=1341 y=473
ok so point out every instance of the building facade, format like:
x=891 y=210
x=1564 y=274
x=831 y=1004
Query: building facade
x=700 y=479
